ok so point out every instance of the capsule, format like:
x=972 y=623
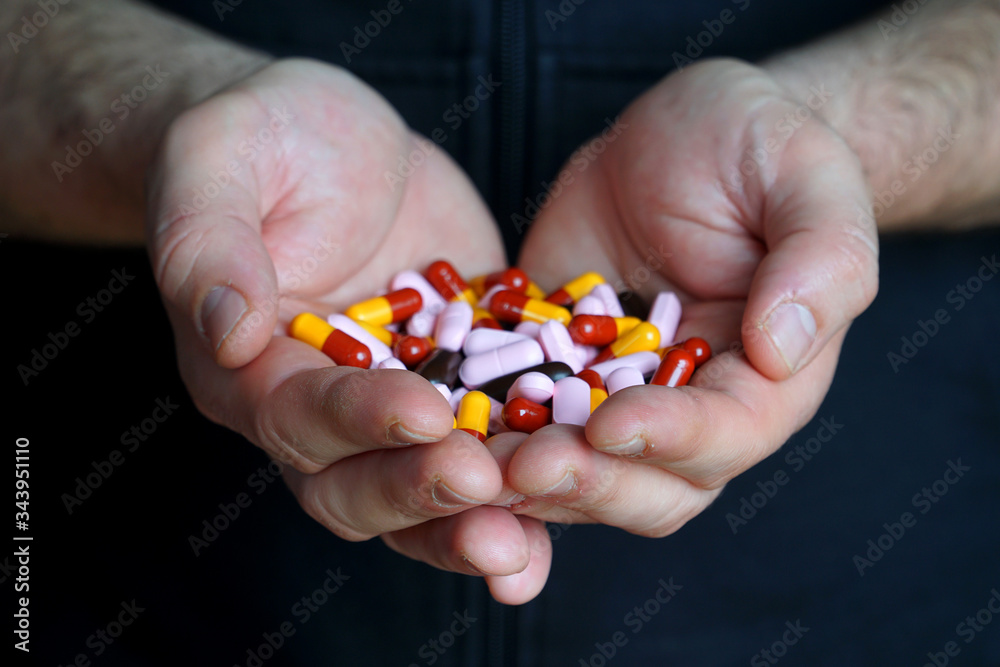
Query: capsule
x=411 y=350
x=479 y=369
x=440 y=367
x=644 y=362
x=600 y=329
x=556 y=371
x=665 y=315
x=675 y=370
x=520 y=414
x=558 y=345
x=380 y=351
x=535 y=387
x=598 y=392
x=623 y=378
x=571 y=402
x=449 y=283
x=474 y=414
x=575 y=289
x=342 y=348
x=643 y=338
x=513 y=307
x=698 y=347
x=453 y=325
x=609 y=297
x=513 y=279
x=534 y=291
x=393 y=307
x=483 y=319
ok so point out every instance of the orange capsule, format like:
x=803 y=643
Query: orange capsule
x=675 y=370
x=598 y=392
x=411 y=350
x=515 y=307
x=600 y=329
x=645 y=337
x=392 y=307
x=342 y=348
x=520 y=414
x=575 y=289
x=449 y=283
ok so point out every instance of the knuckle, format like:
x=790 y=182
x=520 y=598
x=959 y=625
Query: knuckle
x=316 y=503
x=269 y=433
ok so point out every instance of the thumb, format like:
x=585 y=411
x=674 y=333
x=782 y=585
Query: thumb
x=821 y=270
x=209 y=259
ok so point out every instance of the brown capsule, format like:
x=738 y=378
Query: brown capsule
x=440 y=367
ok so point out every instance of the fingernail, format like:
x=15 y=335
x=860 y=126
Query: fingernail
x=445 y=497
x=469 y=564
x=792 y=327
x=633 y=447
x=220 y=313
x=397 y=434
x=565 y=485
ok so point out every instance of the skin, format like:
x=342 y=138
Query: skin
x=311 y=222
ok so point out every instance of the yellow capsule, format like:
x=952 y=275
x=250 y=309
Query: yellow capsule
x=576 y=289
x=534 y=291
x=392 y=307
x=627 y=324
x=310 y=329
x=597 y=396
x=478 y=285
x=515 y=307
x=474 y=414
x=383 y=334
x=645 y=337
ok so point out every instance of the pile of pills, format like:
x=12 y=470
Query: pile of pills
x=506 y=356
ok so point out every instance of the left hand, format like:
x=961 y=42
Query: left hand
x=714 y=188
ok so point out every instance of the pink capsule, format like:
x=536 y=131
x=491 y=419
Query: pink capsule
x=606 y=293
x=558 y=346
x=587 y=353
x=456 y=398
x=535 y=387
x=392 y=362
x=665 y=315
x=481 y=368
x=484 y=340
x=624 y=377
x=529 y=329
x=380 y=351
x=453 y=325
x=571 y=401
x=445 y=391
x=422 y=322
x=589 y=305
x=644 y=362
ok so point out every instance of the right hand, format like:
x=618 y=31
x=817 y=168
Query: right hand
x=272 y=198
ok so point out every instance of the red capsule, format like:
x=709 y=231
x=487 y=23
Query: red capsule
x=675 y=370
x=599 y=330
x=346 y=350
x=449 y=283
x=392 y=307
x=592 y=378
x=699 y=349
x=411 y=350
x=486 y=323
x=513 y=278
x=515 y=307
x=520 y=414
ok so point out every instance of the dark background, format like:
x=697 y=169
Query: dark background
x=791 y=562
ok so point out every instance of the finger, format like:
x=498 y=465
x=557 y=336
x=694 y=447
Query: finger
x=729 y=418
x=293 y=402
x=527 y=584
x=502 y=447
x=821 y=269
x=211 y=266
x=558 y=464
x=384 y=491
x=478 y=541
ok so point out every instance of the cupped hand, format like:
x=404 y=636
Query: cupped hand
x=726 y=188
x=300 y=189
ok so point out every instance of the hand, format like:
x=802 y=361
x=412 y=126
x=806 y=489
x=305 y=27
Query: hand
x=275 y=197
x=714 y=188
